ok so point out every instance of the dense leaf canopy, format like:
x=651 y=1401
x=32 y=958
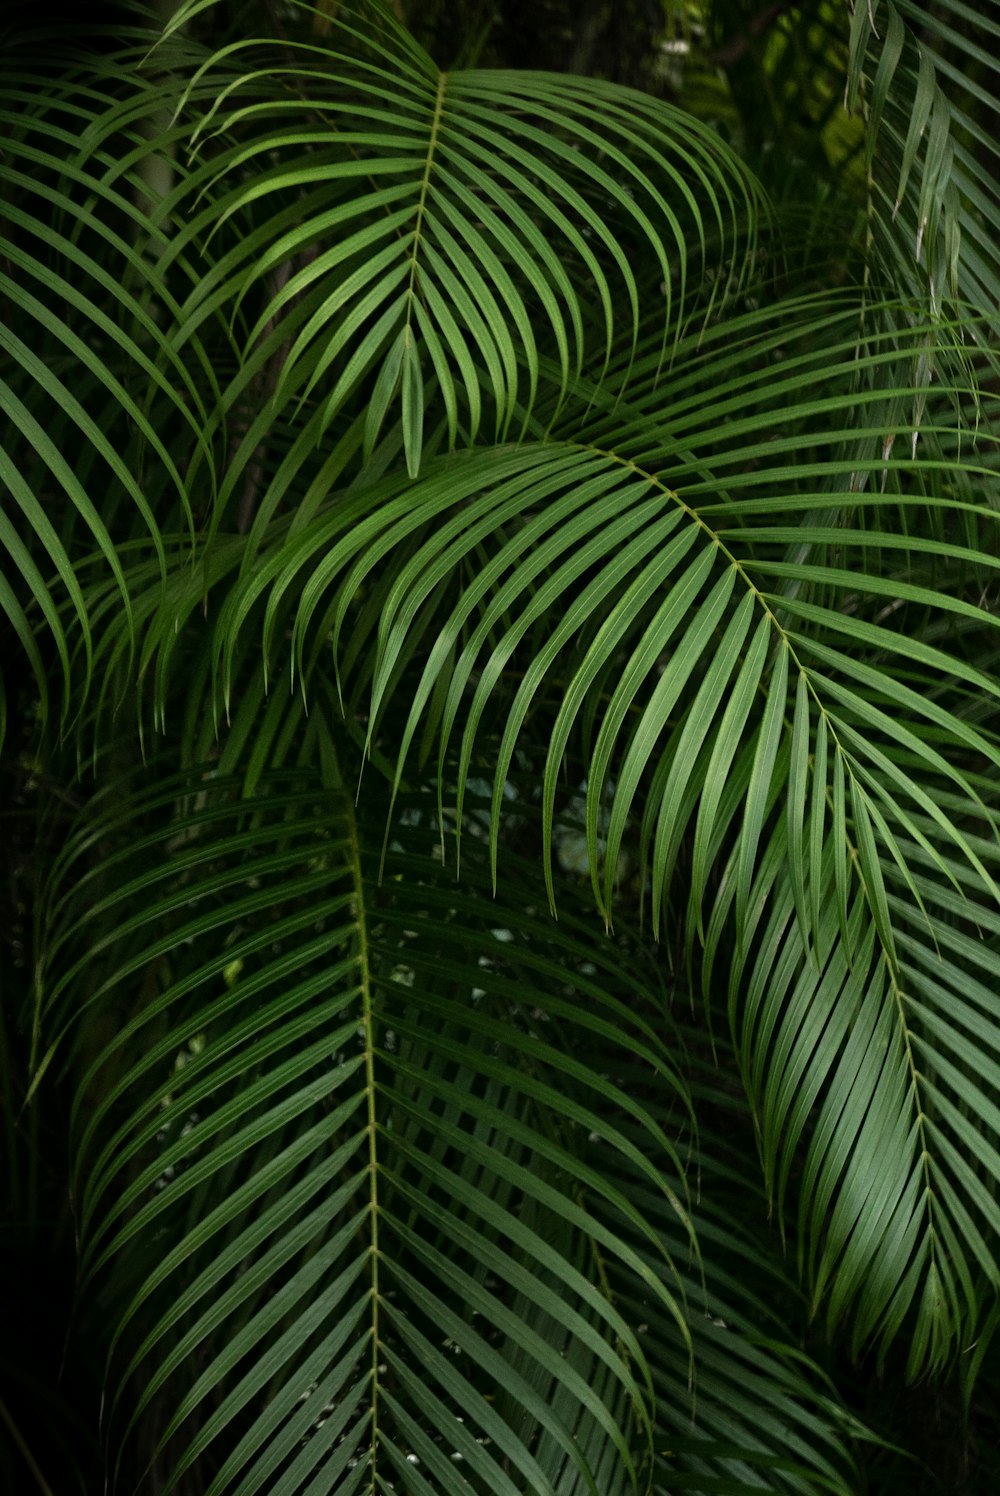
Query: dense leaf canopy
x=500 y=695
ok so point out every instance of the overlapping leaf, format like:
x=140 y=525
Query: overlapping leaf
x=726 y=576
x=730 y=646
x=333 y=1144
x=100 y=409
x=757 y=1414
x=926 y=80
x=419 y=238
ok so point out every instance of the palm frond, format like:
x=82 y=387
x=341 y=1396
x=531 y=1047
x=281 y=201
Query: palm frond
x=757 y=1414
x=387 y=212
x=97 y=399
x=488 y=508
x=734 y=631
x=926 y=80
x=335 y=1144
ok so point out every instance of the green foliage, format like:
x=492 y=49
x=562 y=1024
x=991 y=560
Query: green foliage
x=501 y=696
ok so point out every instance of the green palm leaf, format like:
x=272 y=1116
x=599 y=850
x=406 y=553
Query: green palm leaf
x=759 y=1415
x=419 y=199
x=468 y=465
x=746 y=693
x=926 y=81
x=96 y=398
x=339 y=1146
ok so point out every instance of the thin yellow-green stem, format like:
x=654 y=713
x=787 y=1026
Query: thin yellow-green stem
x=368 y=1036
x=424 y=189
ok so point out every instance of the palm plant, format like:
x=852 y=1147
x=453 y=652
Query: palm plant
x=502 y=686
